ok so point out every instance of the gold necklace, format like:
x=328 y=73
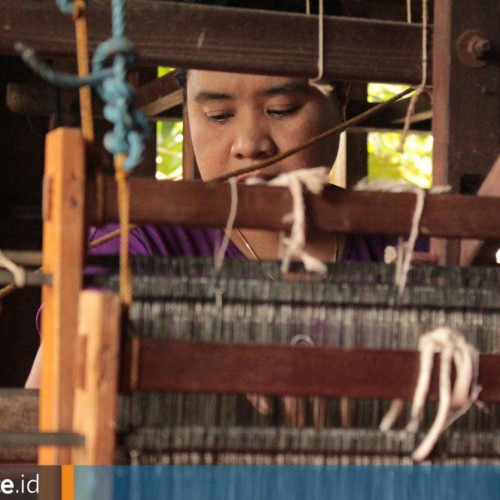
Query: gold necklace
x=338 y=245
x=247 y=244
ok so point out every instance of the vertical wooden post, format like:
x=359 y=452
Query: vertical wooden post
x=63 y=244
x=357 y=143
x=189 y=167
x=466 y=98
x=96 y=396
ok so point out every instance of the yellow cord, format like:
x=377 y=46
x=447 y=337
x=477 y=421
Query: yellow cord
x=122 y=179
x=82 y=54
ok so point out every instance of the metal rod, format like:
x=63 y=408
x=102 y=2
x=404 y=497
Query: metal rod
x=32 y=278
x=22 y=438
x=30 y=258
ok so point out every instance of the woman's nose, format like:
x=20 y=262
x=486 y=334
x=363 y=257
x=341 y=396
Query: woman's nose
x=253 y=141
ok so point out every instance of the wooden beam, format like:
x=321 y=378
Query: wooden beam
x=184 y=366
x=153 y=98
x=466 y=97
x=189 y=167
x=96 y=392
x=207 y=204
x=159 y=95
x=251 y=41
x=63 y=242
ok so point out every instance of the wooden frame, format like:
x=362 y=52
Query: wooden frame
x=64 y=210
x=207 y=204
x=63 y=243
x=251 y=41
x=96 y=391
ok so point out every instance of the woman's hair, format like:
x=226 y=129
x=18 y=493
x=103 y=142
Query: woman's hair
x=340 y=89
x=331 y=8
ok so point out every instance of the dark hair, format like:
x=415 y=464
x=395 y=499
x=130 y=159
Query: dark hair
x=341 y=89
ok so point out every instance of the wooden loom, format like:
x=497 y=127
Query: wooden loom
x=450 y=216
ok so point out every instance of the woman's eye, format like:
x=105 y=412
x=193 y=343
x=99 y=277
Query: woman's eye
x=282 y=112
x=219 y=117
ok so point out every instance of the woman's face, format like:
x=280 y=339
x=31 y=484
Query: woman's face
x=237 y=120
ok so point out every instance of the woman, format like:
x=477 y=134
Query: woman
x=237 y=120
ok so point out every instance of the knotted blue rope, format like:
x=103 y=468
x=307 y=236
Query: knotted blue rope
x=65 y=6
x=131 y=127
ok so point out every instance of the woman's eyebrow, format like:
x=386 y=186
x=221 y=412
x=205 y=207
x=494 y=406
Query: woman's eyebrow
x=287 y=88
x=211 y=96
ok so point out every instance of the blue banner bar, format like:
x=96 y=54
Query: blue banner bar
x=219 y=482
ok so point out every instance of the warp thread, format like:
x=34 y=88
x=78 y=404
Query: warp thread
x=221 y=251
x=312 y=179
x=421 y=87
x=405 y=251
x=18 y=272
x=325 y=88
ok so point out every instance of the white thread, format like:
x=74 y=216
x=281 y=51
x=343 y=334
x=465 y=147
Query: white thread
x=18 y=272
x=325 y=88
x=408 y=11
x=421 y=87
x=453 y=347
x=302 y=339
x=313 y=179
x=221 y=251
x=405 y=251
x=392 y=415
x=308 y=7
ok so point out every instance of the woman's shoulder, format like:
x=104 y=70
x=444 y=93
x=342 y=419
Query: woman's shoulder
x=372 y=248
x=365 y=248
x=161 y=240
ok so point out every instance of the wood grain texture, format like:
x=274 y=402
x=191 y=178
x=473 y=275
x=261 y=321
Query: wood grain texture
x=291 y=370
x=207 y=204
x=466 y=100
x=96 y=393
x=250 y=41
x=63 y=241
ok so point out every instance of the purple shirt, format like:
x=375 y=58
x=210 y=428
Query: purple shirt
x=177 y=241
x=202 y=241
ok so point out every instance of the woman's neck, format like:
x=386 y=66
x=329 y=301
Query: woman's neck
x=264 y=245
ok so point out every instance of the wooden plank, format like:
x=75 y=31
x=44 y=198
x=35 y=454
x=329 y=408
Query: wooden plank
x=184 y=366
x=96 y=393
x=153 y=98
x=251 y=42
x=189 y=167
x=356 y=161
x=475 y=251
x=18 y=409
x=159 y=95
x=63 y=242
x=207 y=204
x=466 y=98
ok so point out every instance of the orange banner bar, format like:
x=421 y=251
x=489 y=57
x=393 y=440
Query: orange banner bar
x=67 y=481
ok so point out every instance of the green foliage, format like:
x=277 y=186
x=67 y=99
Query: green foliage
x=385 y=162
x=168 y=145
x=169 y=150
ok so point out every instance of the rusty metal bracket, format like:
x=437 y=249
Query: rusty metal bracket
x=473 y=49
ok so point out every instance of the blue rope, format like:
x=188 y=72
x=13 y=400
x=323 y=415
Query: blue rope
x=131 y=128
x=65 y=6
